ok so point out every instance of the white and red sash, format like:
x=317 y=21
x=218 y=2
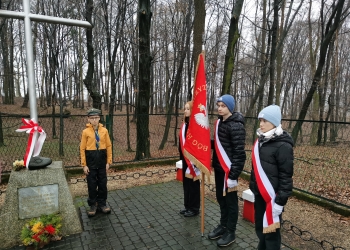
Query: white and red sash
x=223 y=158
x=270 y=223
x=190 y=171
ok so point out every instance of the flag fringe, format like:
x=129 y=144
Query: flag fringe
x=197 y=178
x=189 y=176
x=197 y=163
x=271 y=228
x=232 y=189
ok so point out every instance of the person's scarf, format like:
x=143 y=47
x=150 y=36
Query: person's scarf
x=264 y=137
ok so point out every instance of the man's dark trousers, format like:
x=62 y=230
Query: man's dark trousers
x=97 y=186
x=191 y=191
x=266 y=241
x=228 y=204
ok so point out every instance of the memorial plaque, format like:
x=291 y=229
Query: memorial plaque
x=35 y=201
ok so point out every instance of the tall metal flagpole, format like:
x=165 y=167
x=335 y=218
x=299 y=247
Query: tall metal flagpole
x=30 y=61
x=27 y=17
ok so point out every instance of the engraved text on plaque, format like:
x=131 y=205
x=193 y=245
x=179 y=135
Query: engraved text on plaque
x=35 y=201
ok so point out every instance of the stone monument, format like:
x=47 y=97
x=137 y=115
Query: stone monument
x=31 y=193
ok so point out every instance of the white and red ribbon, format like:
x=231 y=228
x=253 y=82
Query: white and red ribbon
x=270 y=223
x=191 y=170
x=34 y=143
x=223 y=158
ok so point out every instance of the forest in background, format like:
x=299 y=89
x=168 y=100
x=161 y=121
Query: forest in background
x=291 y=53
x=139 y=60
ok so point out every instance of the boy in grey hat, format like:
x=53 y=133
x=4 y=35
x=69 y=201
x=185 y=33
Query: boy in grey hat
x=96 y=157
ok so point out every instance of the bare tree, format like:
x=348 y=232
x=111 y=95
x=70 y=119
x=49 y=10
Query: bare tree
x=331 y=26
x=266 y=69
x=142 y=124
x=89 y=78
x=118 y=21
x=177 y=82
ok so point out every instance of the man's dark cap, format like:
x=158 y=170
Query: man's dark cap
x=93 y=111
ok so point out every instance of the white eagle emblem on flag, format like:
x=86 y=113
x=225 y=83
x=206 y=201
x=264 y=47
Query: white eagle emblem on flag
x=202 y=118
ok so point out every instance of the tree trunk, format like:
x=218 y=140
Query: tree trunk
x=198 y=28
x=112 y=58
x=332 y=103
x=316 y=101
x=230 y=50
x=81 y=90
x=264 y=62
x=279 y=61
x=274 y=31
x=89 y=79
x=53 y=85
x=135 y=76
x=25 y=100
x=142 y=124
x=6 y=57
x=43 y=77
x=322 y=89
x=127 y=104
x=2 y=142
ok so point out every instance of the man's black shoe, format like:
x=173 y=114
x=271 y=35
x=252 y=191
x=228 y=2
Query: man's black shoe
x=227 y=239
x=217 y=232
x=190 y=213
x=183 y=211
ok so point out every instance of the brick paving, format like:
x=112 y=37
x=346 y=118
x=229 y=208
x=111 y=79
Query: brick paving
x=146 y=217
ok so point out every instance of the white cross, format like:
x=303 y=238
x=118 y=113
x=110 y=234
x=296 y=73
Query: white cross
x=27 y=17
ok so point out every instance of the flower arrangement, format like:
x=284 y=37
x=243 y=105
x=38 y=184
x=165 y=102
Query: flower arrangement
x=40 y=231
x=18 y=165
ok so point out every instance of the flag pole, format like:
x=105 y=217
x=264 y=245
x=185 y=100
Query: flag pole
x=203 y=179
x=197 y=146
x=202 y=204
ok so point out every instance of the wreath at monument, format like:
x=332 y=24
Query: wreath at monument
x=38 y=232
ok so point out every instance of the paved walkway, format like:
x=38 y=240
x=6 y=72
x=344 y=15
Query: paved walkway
x=147 y=217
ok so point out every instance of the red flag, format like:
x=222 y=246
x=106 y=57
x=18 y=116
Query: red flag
x=197 y=145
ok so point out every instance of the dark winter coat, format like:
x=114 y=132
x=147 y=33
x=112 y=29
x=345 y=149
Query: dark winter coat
x=276 y=157
x=231 y=133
